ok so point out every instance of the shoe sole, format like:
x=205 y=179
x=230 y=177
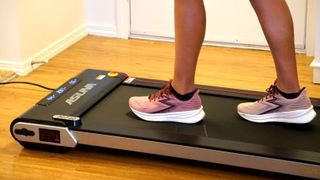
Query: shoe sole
x=187 y=117
x=295 y=117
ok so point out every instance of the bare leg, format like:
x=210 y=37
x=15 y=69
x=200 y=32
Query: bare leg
x=276 y=22
x=190 y=23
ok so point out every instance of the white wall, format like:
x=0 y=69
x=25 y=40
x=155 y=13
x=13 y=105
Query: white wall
x=311 y=27
x=101 y=17
x=316 y=62
x=37 y=30
x=109 y=18
x=43 y=22
x=9 y=31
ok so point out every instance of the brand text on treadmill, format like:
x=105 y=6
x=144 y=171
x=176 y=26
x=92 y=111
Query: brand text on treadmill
x=76 y=96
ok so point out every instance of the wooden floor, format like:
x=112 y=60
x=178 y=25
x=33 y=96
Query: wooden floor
x=235 y=68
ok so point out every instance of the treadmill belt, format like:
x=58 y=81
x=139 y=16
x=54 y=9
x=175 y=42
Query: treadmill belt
x=112 y=114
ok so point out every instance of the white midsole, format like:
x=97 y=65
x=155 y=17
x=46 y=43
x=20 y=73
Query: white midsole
x=296 y=117
x=188 y=117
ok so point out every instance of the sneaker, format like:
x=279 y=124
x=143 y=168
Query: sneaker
x=276 y=108
x=163 y=106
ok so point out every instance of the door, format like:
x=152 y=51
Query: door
x=229 y=22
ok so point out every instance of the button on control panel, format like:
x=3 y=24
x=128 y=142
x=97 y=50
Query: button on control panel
x=72 y=121
x=65 y=117
x=113 y=74
x=58 y=92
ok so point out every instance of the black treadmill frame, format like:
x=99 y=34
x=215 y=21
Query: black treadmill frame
x=226 y=152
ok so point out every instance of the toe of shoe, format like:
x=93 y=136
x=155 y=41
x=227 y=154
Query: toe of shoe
x=137 y=103
x=244 y=107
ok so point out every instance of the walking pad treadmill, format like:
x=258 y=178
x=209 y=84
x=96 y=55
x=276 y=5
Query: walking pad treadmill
x=92 y=109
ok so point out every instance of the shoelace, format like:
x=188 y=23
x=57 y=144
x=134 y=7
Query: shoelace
x=271 y=91
x=164 y=92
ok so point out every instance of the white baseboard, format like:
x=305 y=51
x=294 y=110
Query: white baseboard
x=316 y=71
x=212 y=42
x=102 y=30
x=20 y=68
x=24 y=67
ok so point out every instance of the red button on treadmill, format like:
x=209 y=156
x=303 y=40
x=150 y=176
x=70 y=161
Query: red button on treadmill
x=113 y=74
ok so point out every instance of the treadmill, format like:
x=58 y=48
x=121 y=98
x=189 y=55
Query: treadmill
x=92 y=109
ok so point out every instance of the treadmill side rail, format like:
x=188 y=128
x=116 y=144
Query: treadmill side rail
x=44 y=134
x=200 y=154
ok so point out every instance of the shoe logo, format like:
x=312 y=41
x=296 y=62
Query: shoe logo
x=167 y=103
x=273 y=104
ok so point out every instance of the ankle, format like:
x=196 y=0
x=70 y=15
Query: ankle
x=182 y=97
x=288 y=87
x=289 y=95
x=182 y=88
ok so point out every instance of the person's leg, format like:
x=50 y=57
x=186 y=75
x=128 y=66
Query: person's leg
x=276 y=22
x=179 y=100
x=284 y=102
x=190 y=24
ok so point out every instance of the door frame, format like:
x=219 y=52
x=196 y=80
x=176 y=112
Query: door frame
x=123 y=18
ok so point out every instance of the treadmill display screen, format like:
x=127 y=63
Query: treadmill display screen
x=47 y=135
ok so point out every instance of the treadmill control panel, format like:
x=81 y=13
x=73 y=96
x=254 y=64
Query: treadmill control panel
x=58 y=92
x=72 y=99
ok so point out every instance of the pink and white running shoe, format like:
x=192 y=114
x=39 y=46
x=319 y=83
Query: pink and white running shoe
x=276 y=108
x=163 y=106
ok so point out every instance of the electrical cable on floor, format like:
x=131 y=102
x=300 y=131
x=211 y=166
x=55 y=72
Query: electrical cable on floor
x=29 y=83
